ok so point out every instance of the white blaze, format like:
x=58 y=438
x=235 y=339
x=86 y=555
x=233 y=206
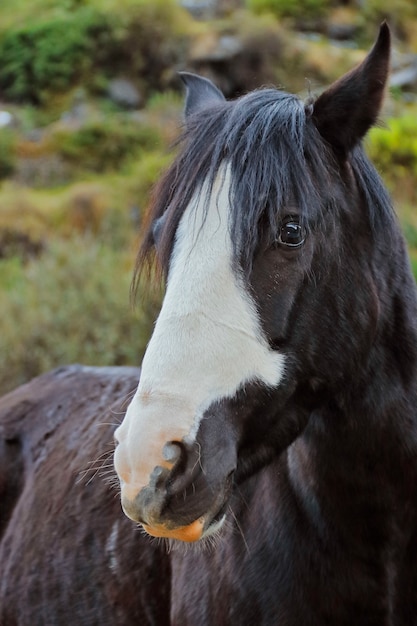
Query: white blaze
x=207 y=342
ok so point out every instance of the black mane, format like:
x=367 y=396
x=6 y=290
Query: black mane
x=278 y=159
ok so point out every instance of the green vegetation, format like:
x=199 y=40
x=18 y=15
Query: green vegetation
x=394 y=150
x=78 y=290
x=76 y=167
x=7 y=153
x=43 y=56
x=288 y=8
x=102 y=144
x=71 y=42
x=364 y=16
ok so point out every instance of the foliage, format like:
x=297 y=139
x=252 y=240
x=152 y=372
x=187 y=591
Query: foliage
x=397 y=12
x=71 y=305
x=144 y=173
x=305 y=9
x=49 y=55
x=394 y=151
x=414 y=263
x=148 y=38
x=20 y=215
x=410 y=232
x=102 y=144
x=109 y=206
x=7 y=152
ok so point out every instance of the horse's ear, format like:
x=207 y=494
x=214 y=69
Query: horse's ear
x=348 y=108
x=200 y=93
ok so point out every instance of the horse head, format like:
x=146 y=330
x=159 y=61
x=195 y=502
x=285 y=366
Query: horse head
x=260 y=225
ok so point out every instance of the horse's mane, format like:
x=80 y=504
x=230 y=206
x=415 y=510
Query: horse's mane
x=278 y=160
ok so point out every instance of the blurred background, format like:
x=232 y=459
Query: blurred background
x=90 y=103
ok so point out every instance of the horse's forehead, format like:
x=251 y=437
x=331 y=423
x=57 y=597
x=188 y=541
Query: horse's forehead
x=207 y=217
x=207 y=313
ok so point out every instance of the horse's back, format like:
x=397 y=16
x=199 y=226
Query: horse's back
x=67 y=553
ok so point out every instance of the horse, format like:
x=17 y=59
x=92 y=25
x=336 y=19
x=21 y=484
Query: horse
x=270 y=446
x=273 y=432
x=67 y=555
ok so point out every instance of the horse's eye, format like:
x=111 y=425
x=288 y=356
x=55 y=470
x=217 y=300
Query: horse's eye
x=291 y=233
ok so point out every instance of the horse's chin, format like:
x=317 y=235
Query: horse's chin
x=196 y=532
x=189 y=534
x=208 y=541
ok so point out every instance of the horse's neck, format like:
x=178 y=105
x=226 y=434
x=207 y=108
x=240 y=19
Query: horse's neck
x=354 y=472
x=342 y=499
x=359 y=448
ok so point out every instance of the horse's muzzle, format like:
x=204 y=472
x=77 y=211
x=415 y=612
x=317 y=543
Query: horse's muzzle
x=183 y=502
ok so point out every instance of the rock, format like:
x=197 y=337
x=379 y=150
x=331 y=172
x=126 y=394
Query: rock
x=207 y=9
x=236 y=63
x=405 y=77
x=341 y=32
x=223 y=49
x=200 y=8
x=6 y=119
x=124 y=93
x=78 y=112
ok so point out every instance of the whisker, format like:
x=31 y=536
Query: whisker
x=242 y=497
x=101 y=463
x=240 y=529
x=123 y=403
x=198 y=461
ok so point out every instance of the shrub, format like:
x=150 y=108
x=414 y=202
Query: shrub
x=148 y=38
x=145 y=172
x=7 y=152
x=410 y=232
x=43 y=56
x=394 y=151
x=70 y=305
x=400 y=14
x=288 y=8
x=85 y=43
x=102 y=144
x=21 y=217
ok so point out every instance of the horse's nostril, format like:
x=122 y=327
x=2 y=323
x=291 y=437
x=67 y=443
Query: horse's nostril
x=158 y=477
x=171 y=451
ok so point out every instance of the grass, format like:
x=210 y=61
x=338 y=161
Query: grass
x=70 y=305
